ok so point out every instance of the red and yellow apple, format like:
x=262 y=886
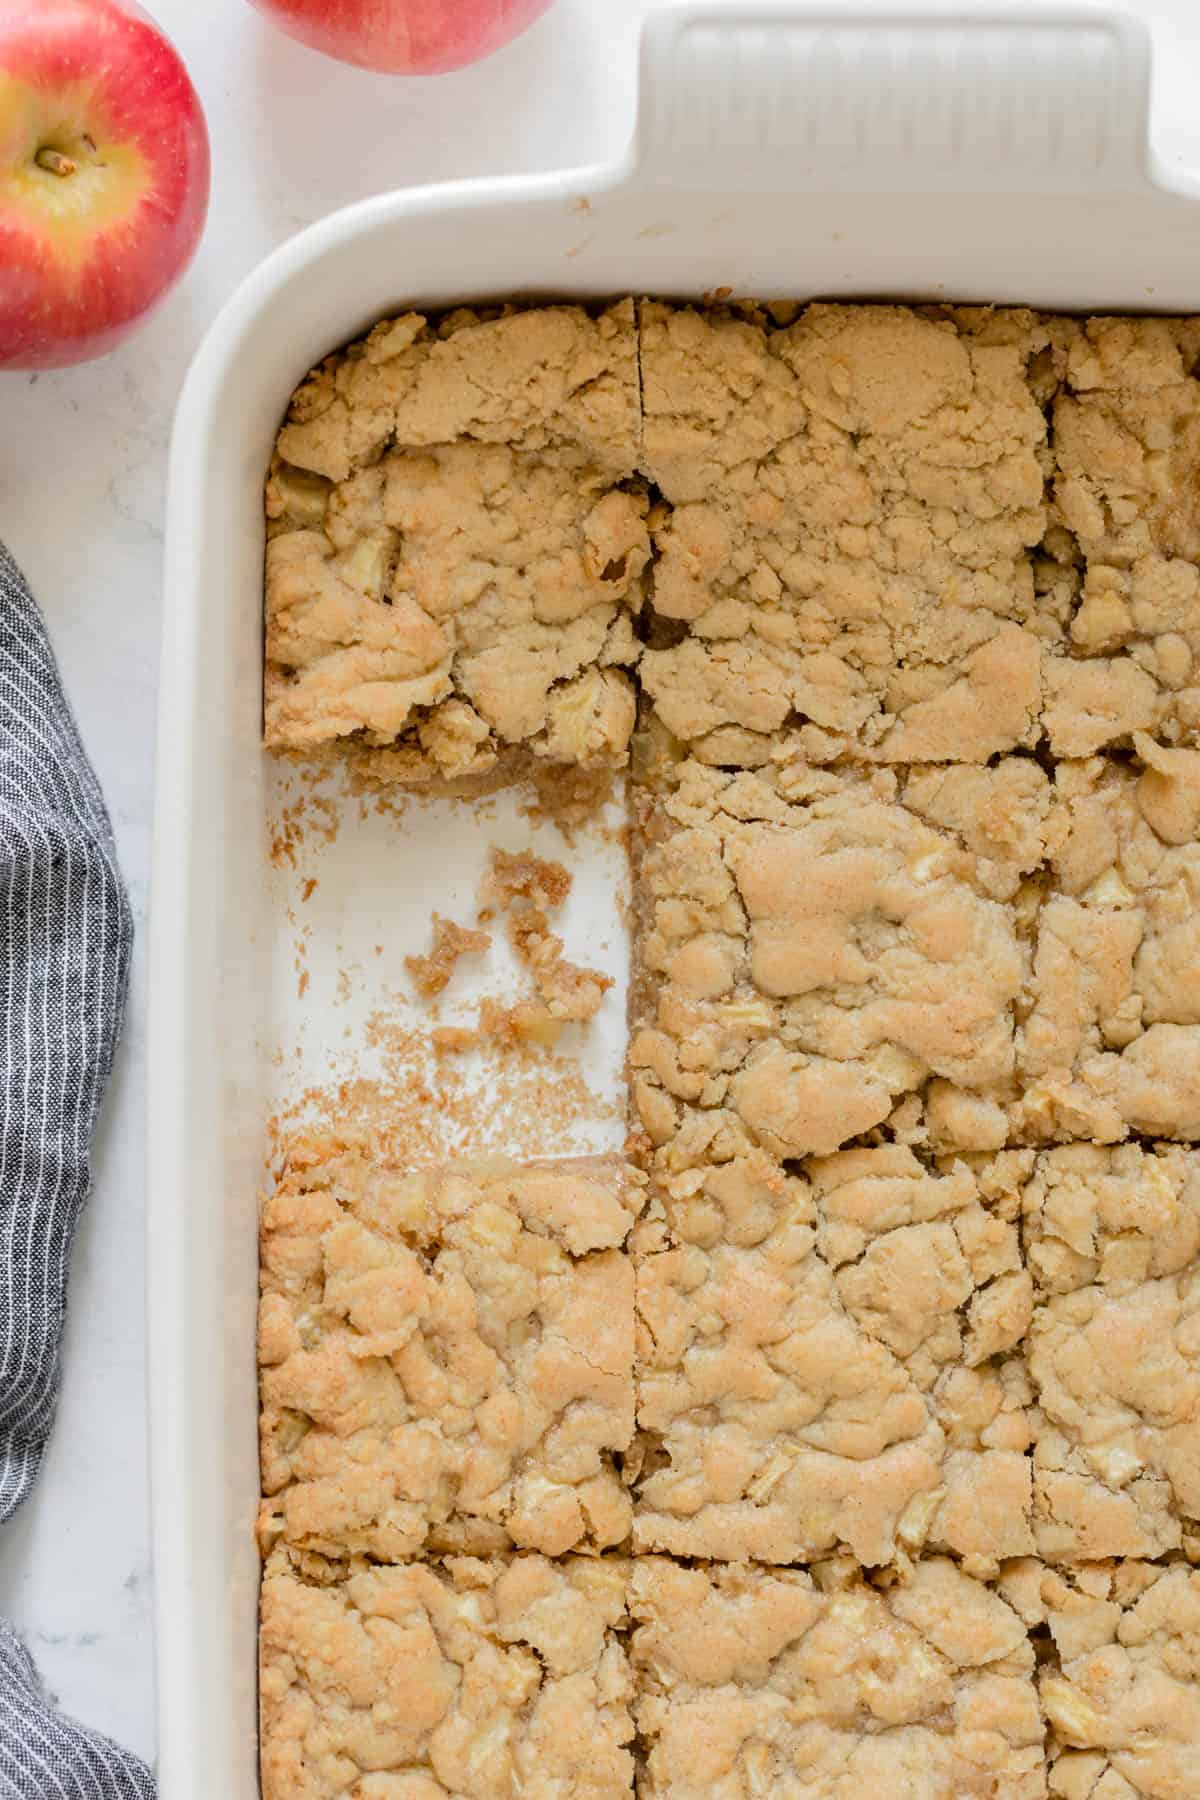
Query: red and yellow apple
x=404 y=37
x=104 y=175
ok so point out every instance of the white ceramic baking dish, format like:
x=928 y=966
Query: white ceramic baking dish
x=1001 y=156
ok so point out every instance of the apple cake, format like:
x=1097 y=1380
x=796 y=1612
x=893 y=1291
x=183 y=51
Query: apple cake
x=843 y=1435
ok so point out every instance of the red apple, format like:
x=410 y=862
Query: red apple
x=104 y=175
x=404 y=37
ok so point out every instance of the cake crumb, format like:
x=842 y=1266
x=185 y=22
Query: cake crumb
x=431 y=974
x=521 y=876
x=527 y=886
x=570 y=992
x=529 y=1022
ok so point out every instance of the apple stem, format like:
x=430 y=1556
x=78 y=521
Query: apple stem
x=54 y=162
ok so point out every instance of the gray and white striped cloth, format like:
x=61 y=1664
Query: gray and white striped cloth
x=65 y=939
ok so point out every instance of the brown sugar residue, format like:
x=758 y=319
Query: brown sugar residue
x=287 y=836
x=573 y=799
x=431 y=974
x=311 y=817
x=427 y=1107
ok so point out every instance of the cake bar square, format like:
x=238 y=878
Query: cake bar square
x=852 y=505
x=829 y=1357
x=818 y=948
x=1110 y=1044
x=468 y=1678
x=456 y=546
x=1126 y=444
x=755 y=1681
x=978 y=955
x=1114 y=1349
x=1121 y=1689
x=446 y=1358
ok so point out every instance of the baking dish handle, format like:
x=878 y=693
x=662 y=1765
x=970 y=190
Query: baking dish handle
x=758 y=98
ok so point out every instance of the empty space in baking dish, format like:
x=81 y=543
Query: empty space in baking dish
x=352 y=885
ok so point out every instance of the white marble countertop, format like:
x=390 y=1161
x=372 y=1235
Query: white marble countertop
x=82 y=457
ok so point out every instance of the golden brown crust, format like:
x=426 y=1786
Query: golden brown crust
x=1121 y=1693
x=1126 y=441
x=852 y=507
x=1111 y=1236
x=454 y=562
x=1116 y=1215
x=913 y=1303
x=766 y=1681
x=471 y=1678
x=827 y=954
x=447 y=1358
x=1111 y=1043
x=863 y=530
x=816 y=946
x=826 y=1359
x=979 y=955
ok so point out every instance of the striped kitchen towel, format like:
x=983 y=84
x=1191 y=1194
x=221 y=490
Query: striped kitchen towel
x=65 y=938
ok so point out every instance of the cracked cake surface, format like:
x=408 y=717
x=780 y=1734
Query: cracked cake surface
x=853 y=505
x=773 y=1681
x=842 y=1437
x=471 y=1677
x=447 y=1356
x=1111 y=1043
x=1111 y=1237
x=1121 y=1694
x=824 y=1360
x=817 y=945
x=456 y=549
x=1127 y=435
